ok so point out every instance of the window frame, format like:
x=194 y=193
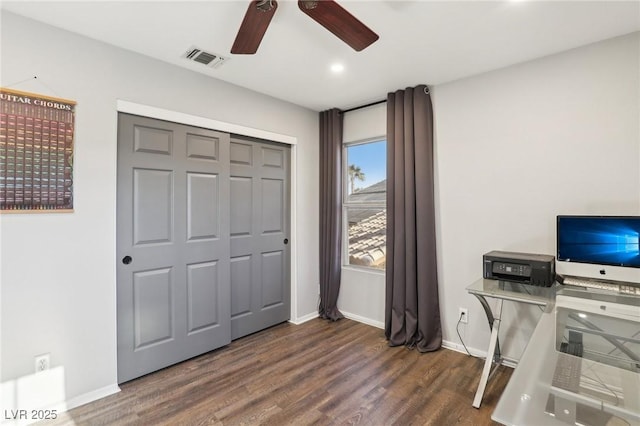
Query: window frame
x=346 y=205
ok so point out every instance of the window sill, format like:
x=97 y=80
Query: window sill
x=364 y=269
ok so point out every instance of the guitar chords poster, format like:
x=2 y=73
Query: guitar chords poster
x=36 y=153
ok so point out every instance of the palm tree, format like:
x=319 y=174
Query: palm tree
x=355 y=173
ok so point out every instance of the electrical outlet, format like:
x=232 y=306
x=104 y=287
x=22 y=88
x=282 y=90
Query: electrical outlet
x=42 y=362
x=463 y=315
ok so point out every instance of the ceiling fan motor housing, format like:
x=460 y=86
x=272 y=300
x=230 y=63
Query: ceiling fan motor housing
x=265 y=5
x=310 y=4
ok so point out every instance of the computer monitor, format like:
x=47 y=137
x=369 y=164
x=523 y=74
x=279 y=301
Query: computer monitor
x=601 y=247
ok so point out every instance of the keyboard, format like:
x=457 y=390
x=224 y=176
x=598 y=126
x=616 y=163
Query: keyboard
x=568 y=368
x=615 y=286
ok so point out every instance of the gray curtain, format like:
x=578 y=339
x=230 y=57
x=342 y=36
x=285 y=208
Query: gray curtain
x=412 y=313
x=330 y=212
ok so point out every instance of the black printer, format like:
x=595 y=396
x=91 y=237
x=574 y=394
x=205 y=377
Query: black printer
x=528 y=268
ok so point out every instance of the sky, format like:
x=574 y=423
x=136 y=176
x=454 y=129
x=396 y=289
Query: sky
x=372 y=160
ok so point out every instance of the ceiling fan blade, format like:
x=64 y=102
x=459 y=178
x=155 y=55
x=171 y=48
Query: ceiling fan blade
x=340 y=22
x=253 y=27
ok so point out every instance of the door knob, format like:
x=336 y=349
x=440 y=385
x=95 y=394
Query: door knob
x=127 y=260
x=286 y=241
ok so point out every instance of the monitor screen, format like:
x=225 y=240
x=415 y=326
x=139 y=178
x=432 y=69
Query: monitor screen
x=605 y=240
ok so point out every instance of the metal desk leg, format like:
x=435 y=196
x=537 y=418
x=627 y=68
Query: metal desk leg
x=487 y=310
x=491 y=354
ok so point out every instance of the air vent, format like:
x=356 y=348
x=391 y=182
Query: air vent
x=206 y=58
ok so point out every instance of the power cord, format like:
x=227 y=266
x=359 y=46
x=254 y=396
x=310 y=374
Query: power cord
x=460 y=337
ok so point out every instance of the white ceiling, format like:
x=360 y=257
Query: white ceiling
x=428 y=42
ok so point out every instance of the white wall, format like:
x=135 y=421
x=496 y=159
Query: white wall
x=518 y=146
x=58 y=270
x=362 y=290
x=514 y=148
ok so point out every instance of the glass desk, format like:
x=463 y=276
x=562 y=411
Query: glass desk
x=598 y=387
x=510 y=291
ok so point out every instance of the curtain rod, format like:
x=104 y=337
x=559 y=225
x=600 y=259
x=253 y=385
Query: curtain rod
x=363 y=106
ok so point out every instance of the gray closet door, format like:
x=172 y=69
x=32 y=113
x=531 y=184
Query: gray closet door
x=260 y=256
x=173 y=270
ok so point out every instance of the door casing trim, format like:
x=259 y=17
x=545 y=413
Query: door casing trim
x=208 y=123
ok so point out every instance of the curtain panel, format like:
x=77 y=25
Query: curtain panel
x=412 y=313
x=330 y=213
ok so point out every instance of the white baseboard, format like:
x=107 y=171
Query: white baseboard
x=91 y=396
x=458 y=347
x=19 y=409
x=364 y=320
x=508 y=362
x=349 y=315
x=454 y=346
x=304 y=318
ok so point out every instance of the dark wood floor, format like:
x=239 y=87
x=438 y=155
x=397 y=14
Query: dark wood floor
x=315 y=373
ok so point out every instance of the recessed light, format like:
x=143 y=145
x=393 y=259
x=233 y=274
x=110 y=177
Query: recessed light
x=337 y=68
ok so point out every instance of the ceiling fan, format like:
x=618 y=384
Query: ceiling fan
x=327 y=13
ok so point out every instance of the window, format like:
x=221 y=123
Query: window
x=365 y=197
